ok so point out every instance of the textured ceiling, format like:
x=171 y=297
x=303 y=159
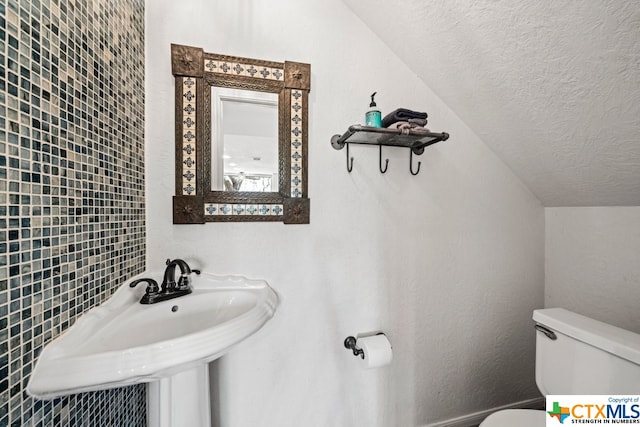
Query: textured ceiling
x=553 y=88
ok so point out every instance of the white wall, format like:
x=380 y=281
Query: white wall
x=593 y=262
x=448 y=263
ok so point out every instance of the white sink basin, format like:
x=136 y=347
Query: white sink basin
x=122 y=342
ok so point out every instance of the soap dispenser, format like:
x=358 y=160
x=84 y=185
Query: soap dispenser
x=373 y=117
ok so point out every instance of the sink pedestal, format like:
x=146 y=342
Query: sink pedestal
x=181 y=399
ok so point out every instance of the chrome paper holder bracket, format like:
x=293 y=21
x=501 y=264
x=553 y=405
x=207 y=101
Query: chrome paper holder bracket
x=350 y=343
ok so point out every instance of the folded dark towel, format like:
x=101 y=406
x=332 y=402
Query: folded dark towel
x=401 y=114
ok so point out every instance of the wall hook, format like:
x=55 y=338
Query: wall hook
x=349 y=160
x=411 y=164
x=386 y=163
x=350 y=343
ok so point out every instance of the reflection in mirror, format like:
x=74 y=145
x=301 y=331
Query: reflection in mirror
x=244 y=152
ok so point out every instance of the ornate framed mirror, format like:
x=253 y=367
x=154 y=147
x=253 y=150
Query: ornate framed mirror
x=241 y=138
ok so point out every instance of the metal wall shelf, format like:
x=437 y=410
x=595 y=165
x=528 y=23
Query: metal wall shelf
x=416 y=139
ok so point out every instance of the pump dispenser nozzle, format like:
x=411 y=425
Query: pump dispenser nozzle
x=373 y=117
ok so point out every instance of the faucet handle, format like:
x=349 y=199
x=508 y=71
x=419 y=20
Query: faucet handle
x=152 y=285
x=185 y=278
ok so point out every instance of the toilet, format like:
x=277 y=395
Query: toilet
x=576 y=355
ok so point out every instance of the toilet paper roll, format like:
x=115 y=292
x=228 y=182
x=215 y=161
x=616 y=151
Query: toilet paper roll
x=377 y=350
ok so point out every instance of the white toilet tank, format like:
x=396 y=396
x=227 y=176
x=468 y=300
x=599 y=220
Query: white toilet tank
x=587 y=356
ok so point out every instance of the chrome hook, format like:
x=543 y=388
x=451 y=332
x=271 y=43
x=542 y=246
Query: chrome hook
x=349 y=163
x=411 y=164
x=386 y=164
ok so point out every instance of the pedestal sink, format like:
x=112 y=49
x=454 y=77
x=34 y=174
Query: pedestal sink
x=168 y=344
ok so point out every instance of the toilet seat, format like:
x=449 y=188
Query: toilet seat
x=515 y=417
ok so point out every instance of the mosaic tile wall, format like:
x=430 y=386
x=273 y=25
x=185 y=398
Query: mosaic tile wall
x=72 y=220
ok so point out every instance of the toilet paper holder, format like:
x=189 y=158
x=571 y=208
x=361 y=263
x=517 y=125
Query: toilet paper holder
x=350 y=343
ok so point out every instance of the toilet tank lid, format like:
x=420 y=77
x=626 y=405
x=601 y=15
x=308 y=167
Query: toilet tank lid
x=618 y=341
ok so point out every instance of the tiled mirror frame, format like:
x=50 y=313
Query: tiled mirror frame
x=195 y=71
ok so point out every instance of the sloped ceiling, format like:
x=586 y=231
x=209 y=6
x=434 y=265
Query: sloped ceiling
x=552 y=87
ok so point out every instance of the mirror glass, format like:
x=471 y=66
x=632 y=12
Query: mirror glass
x=244 y=152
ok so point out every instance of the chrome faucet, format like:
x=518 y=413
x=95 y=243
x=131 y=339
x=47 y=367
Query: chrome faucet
x=169 y=288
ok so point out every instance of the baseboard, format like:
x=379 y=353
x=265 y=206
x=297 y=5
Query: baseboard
x=472 y=420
